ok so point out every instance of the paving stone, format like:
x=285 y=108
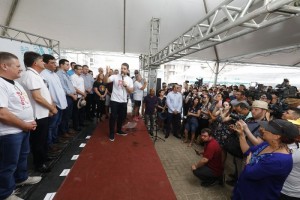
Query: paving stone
x=177 y=160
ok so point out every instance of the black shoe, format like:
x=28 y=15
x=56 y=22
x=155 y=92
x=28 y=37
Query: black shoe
x=43 y=169
x=177 y=136
x=233 y=176
x=208 y=183
x=221 y=180
x=121 y=133
x=167 y=135
x=77 y=129
x=231 y=182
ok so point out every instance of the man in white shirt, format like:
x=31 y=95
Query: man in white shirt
x=78 y=83
x=16 y=121
x=122 y=85
x=43 y=107
x=88 y=85
x=174 y=102
x=138 y=94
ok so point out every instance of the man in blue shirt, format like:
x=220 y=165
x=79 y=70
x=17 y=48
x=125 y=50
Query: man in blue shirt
x=71 y=71
x=58 y=96
x=70 y=94
x=174 y=103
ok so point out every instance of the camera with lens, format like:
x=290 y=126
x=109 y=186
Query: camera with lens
x=278 y=109
x=236 y=117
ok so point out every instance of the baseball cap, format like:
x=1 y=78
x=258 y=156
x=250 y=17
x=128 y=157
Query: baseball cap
x=280 y=127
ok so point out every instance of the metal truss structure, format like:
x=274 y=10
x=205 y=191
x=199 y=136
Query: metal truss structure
x=224 y=23
x=22 y=36
x=286 y=49
x=154 y=35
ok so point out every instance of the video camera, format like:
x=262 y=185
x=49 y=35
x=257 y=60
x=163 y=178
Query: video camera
x=199 y=82
x=236 y=117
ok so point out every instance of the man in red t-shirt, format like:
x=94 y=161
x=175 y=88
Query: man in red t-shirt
x=210 y=168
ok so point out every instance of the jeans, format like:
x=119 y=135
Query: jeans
x=151 y=118
x=66 y=116
x=54 y=121
x=192 y=125
x=205 y=174
x=173 y=119
x=118 y=113
x=14 y=150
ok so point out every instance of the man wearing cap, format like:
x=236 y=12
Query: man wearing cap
x=259 y=110
x=251 y=127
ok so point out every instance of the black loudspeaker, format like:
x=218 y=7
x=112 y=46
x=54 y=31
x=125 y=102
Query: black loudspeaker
x=158 y=84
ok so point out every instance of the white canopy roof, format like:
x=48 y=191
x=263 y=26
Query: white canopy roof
x=99 y=26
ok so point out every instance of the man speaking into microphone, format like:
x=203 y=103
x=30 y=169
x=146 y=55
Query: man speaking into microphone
x=122 y=85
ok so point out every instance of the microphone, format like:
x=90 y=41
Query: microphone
x=122 y=79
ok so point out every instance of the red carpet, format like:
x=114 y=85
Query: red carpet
x=128 y=168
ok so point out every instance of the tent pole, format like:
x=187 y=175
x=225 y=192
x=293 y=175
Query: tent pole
x=124 y=30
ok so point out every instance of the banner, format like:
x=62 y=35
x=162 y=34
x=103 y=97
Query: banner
x=19 y=48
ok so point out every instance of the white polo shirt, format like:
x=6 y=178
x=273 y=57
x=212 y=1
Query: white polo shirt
x=78 y=83
x=15 y=99
x=32 y=80
x=119 y=93
x=138 y=93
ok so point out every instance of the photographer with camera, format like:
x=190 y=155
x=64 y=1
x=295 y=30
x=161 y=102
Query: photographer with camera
x=251 y=129
x=192 y=121
x=188 y=101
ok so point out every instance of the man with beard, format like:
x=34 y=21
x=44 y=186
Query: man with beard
x=209 y=168
x=122 y=85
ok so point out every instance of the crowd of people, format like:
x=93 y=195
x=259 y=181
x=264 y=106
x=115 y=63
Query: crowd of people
x=226 y=120
x=36 y=108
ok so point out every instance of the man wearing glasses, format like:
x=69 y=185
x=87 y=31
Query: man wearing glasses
x=16 y=121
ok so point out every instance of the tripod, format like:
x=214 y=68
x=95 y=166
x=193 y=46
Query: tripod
x=155 y=136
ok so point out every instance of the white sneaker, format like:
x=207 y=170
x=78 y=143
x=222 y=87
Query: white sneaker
x=13 y=197
x=30 y=180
